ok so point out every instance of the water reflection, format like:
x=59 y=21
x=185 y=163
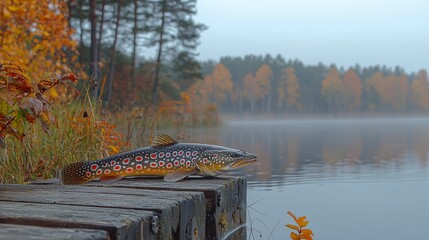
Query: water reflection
x=354 y=178
x=299 y=151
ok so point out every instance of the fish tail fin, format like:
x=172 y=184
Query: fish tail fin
x=75 y=173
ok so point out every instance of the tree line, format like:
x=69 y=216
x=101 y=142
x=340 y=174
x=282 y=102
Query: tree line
x=143 y=52
x=115 y=36
x=266 y=84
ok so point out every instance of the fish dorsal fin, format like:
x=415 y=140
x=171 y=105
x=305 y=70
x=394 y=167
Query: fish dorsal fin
x=177 y=176
x=162 y=140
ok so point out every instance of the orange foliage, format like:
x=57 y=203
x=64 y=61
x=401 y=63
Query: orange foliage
x=20 y=102
x=112 y=142
x=301 y=232
x=293 y=89
x=396 y=92
x=217 y=87
x=35 y=34
x=263 y=78
x=332 y=86
x=353 y=89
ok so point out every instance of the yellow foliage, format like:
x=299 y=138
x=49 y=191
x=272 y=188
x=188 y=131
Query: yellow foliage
x=36 y=35
x=301 y=232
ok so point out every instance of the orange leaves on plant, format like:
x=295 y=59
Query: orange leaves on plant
x=294 y=236
x=291 y=226
x=20 y=102
x=301 y=232
x=14 y=82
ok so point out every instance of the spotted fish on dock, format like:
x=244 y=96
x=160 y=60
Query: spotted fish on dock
x=165 y=157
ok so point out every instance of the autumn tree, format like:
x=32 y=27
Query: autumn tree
x=36 y=35
x=293 y=90
x=396 y=92
x=263 y=79
x=420 y=91
x=251 y=90
x=217 y=87
x=353 y=90
x=333 y=89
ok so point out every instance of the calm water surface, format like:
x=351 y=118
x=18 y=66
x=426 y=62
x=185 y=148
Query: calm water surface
x=353 y=179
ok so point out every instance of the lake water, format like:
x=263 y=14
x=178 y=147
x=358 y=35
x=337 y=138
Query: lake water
x=353 y=179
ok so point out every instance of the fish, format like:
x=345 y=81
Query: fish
x=165 y=157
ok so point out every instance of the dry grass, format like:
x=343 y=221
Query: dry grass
x=84 y=132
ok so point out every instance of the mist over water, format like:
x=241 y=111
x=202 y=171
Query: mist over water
x=352 y=178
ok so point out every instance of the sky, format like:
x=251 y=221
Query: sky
x=342 y=32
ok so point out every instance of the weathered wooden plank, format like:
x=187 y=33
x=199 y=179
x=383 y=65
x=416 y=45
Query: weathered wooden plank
x=119 y=224
x=20 y=232
x=178 y=212
x=226 y=200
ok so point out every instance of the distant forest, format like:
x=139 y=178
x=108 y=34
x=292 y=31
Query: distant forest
x=266 y=84
x=144 y=53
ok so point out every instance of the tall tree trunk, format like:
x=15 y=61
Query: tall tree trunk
x=113 y=54
x=268 y=107
x=79 y=12
x=100 y=29
x=159 y=55
x=69 y=8
x=134 y=54
x=93 y=61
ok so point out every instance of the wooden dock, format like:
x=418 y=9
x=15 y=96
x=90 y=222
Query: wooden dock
x=128 y=209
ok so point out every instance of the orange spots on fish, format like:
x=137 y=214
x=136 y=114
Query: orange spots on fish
x=153 y=155
x=182 y=161
x=153 y=164
x=88 y=174
x=188 y=163
x=129 y=170
x=167 y=154
x=107 y=171
x=180 y=152
x=161 y=155
x=169 y=165
x=117 y=168
x=139 y=167
x=174 y=153
x=126 y=161
x=94 y=167
x=112 y=163
x=99 y=171
x=139 y=158
x=161 y=163
x=205 y=160
x=194 y=153
x=176 y=163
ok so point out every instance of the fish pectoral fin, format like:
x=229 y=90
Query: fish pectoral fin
x=177 y=176
x=162 y=140
x=110 y=179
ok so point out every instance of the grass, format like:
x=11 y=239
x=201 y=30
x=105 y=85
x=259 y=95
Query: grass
x=84 y=132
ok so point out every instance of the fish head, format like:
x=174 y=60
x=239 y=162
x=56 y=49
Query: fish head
x=213 y=162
